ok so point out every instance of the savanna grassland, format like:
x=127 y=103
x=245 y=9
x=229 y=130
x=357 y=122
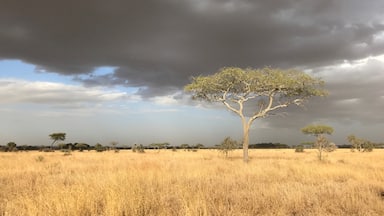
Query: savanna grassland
x=274 y=182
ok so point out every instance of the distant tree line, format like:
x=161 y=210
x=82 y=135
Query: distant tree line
x=269 y=146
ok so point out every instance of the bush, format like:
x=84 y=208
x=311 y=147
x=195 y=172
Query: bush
x=40 y=158
x=99 y=147
x=140 y=149
x=227 y=146
x=331 y=147
x=299 y=148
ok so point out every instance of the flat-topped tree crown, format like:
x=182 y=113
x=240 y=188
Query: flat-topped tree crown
x=317 y=130
x=322 y=144
x=232 y=83
x=271 y=88
x=57 y=136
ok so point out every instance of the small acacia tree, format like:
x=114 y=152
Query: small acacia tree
x=361 y=145
x=56 y=137
x=319 y=131
x=269 y=88
x=11 y=146
x=227 y=146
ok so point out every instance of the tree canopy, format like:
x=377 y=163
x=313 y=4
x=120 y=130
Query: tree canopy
x=57 y=136
x=270 y=88
x=360 y=144
x=317 y=130
x=233 y=84
x=322 y=143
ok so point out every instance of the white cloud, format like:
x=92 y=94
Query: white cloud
x=165 y=100
x=14 y=91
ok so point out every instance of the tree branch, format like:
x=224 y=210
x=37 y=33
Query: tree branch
x=231 y=108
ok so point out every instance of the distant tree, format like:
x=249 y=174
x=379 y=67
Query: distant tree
x=299 y=148
x=199 y=146
x=81 y=146
x=99 y=147
x=359 y=144
x=11 y=146
x=134 y=148
x=23 y=148
x=319 y=131
x=270 y=88
x=140 y=148
x=56 y=137
x=114 y=146
x=185 y=146
x=227 y=146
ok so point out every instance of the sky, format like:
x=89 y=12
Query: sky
x=104 y=71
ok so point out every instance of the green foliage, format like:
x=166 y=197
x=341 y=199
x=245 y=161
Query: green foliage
x=199 y=146
x=299 y=148
x=322 y=144
x=240 y=83
x=227 y=146
x=271 y=88
x=81 y=146
x=57 y=136
x=99 y=147
x=361 y=145
x=138 y=148
x=317 y=130
x=11 y=146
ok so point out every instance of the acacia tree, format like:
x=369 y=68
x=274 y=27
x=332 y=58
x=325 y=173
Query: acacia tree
x=57 y=136
x=227 y=146
x=360 y=144
x=11 y=146
x=322 y=144
x=271 y=88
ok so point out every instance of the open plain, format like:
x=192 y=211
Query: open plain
x=274 y=182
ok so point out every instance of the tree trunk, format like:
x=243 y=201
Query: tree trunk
x=245 y=140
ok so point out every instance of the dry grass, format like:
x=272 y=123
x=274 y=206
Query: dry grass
x=275 y=182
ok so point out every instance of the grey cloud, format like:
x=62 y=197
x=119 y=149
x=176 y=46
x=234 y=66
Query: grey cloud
x=160 y=44
x=356 y=95
x=55 y=95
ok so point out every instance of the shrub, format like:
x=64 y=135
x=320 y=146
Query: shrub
x=299 y=148
x=140 y=149
x=227 y=146
x=40 y=158
x=99 y=147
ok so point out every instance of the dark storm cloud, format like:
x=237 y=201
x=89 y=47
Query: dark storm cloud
x=158 y=45
x=356 y=95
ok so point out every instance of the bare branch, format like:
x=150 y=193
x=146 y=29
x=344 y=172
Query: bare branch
x=231 y=108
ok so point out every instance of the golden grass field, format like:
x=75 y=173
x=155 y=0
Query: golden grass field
x=274 y=182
